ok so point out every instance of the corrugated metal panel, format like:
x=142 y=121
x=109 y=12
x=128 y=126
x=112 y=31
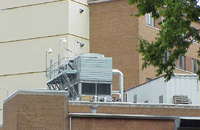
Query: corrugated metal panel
x=179 y=85
x=149 y=91
x=183 y=85
x=94 y=69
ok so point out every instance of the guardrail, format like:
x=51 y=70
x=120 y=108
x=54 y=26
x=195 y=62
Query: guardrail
x=57 y=68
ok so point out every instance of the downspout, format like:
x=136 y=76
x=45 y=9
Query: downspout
x=65 y=110
x=121 y=82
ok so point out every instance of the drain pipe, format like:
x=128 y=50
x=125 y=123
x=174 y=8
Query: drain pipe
x=121 y=82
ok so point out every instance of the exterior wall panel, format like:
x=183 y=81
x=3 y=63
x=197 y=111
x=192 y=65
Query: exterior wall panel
x=179 y=85
x=184 y=85
x=149 y=91
x=78 y=22
x=35 y=21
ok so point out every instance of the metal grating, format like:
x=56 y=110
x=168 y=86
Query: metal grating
x=181 y=99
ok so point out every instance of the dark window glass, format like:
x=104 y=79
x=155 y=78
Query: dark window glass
x=103 y=89
x=88 y=88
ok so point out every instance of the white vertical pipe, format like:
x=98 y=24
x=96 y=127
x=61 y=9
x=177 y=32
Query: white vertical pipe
x=70 y=123
x=121 y=82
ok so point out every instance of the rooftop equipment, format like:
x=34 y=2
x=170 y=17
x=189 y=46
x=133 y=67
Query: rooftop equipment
x=86 y=74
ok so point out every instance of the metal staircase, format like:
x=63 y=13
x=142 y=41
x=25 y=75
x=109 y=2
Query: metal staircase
x=69 y=86
x=59 y=78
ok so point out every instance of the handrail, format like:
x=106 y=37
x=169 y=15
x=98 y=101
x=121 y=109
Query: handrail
x=53 y=70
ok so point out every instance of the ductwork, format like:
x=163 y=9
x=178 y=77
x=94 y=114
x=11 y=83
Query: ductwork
x=121 y=82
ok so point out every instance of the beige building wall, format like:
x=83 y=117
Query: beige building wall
x=28 y=28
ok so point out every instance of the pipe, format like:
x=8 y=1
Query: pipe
x=121 y=82
x=70 y=123
x=65 y=110
x=93 y=108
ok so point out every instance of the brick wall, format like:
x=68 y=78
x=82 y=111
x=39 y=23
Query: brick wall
x=10 y=115
x=120 y=124
x=149 y=34
x=46 y=112
x=137 y=110
x=35 y=112
x=114 y=33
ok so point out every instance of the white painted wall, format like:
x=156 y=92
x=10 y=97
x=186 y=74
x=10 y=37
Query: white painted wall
x=181 y=84
x=149 y=91
x=184 y=85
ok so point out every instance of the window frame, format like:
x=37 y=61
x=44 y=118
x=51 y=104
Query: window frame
x=181 y=62
x=196 y=63
x=149 y=20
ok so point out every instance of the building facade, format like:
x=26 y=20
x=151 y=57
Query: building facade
x=28 y=29
x=114 y=31
x=50 y=110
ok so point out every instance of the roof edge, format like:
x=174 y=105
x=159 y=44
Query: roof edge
x=35 y=92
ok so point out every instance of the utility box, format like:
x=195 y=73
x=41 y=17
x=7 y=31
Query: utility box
x=181 y=89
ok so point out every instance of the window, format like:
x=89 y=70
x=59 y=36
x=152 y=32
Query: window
x=181 y=62
x=135 y=99
x=149 y=20
x=195 y=66
x=161 y=99
x=166 y=55
x=146 y=101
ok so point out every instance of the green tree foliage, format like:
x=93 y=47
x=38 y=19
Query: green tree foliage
x=176 y=33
